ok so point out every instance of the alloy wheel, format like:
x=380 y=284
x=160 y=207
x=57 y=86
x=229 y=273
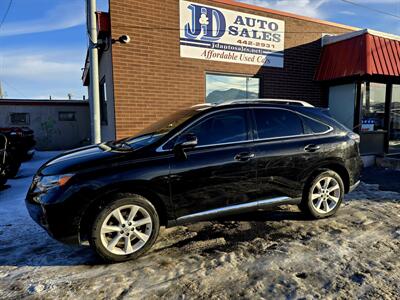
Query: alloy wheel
x=325 y=195
x=126 y=229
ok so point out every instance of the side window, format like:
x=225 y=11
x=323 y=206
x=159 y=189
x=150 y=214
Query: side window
x=222 y=127
x=20 y=118
x=66 y=116
x=315 y=126
x=273 y=123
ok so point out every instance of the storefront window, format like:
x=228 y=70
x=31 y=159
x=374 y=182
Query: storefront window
x=221 y=88
x=373 y=107
x=394 y=134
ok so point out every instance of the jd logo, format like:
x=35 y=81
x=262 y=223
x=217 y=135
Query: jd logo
x=207 y=24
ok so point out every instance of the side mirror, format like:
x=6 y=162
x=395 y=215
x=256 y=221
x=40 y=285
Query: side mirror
x=186 y=141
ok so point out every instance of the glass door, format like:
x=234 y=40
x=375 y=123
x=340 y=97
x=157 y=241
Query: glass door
x=373 y=107
x=373 y=128
x=394 y=128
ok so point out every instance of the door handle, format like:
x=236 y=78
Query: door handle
x=244 y=156
x=312 y=148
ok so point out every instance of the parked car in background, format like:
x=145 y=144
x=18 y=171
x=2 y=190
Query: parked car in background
x=3 y=148
x=9 y=160
x=196 y=164
x=22 y=140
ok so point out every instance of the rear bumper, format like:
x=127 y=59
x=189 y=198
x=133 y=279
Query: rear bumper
x=354 y=167
x=354 y=186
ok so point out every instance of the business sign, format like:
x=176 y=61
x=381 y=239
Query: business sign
x=217 y=34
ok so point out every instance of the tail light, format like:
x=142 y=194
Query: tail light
x=16 y=132
x=354 y=136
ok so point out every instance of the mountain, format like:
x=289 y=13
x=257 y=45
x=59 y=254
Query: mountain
x=231 y=94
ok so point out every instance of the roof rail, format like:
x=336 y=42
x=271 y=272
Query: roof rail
x=202 y=105
x=277 y=101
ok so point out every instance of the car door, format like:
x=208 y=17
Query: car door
x=284 y=150
x=220 y=171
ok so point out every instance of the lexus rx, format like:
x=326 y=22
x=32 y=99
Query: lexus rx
x=196 y=164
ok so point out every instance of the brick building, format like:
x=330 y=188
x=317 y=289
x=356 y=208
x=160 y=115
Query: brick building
x=189 y=52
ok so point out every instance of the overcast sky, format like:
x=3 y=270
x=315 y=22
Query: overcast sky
x=43 y=42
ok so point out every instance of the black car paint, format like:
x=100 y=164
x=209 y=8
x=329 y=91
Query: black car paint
x=21 y=140
x=208 y=178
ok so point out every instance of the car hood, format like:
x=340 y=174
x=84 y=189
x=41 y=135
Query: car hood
x=81 y=159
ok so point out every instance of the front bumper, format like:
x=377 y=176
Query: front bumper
x=55 y=220
x=37 y=213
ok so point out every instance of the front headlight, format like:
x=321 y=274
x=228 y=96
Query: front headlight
x=46 y=183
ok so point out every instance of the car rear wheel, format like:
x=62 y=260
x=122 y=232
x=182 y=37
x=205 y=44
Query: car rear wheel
x=125 y=228
x=323 y=195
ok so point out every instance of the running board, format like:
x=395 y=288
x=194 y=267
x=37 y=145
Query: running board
x=234 y=209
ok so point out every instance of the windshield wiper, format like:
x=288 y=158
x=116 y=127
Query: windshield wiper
x=120 y=145
x=124 y=145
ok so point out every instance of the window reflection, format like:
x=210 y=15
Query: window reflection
x=394 y=134
x=373 y=107
x=221 y=88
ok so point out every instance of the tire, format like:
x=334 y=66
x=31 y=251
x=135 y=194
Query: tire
x=112 y=232
x=331 y=196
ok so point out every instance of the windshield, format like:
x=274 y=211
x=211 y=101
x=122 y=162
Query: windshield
x=157 y=130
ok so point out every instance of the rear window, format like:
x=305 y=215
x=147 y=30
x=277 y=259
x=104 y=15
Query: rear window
x=315 y=126
x=275 y=123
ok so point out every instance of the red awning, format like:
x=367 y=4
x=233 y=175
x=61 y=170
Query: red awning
x=363 y=54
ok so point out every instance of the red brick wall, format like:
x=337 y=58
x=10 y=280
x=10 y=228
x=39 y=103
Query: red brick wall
x=152 y=80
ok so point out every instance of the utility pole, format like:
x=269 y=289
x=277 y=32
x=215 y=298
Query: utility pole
x=94 y=70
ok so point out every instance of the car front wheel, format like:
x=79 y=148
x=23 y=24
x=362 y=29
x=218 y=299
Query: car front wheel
x=125 y=228
x=323 y=195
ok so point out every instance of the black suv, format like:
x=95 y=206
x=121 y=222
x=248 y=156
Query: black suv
x=197 y=164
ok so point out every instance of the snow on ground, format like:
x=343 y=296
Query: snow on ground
x=260 y=255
